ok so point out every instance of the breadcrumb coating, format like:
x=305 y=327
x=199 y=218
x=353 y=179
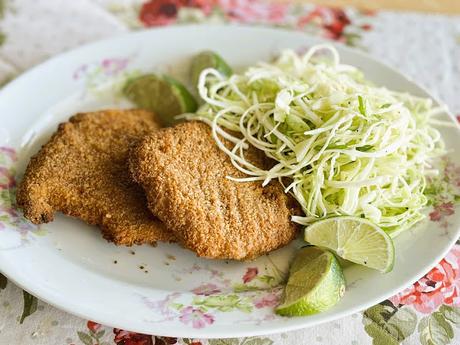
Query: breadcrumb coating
x=183 y=173
x=83 y=172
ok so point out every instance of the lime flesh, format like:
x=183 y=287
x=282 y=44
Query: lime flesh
x=354 y=239
x=163 y=95
x=208 y=59
x=315 y=284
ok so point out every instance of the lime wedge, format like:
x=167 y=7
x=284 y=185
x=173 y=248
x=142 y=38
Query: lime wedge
x=354 y=239
x=315 y=284
x=163 y=95
x=208 y=59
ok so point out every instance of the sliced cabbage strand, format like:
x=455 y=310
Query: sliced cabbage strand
x=341 y=145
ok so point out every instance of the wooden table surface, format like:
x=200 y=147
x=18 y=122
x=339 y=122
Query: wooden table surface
x=440 y=6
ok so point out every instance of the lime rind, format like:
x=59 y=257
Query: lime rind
x=138 y=90
x=188 y=102
x=316 y=283
x=164 y=95
x=208 y=59
x=354 y=239
x=222 y=66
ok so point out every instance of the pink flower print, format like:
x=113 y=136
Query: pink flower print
x=333 y=21
x=250 y=274
x=114 y=65
x=206 y=289
x=159 y=12
x=206 y=6
x=269 y=300
x=435 y=216
x=93 y=326
x=164 y=12
x=198 y=318
x=439 y=286
x=7 y=180
x=442 y=210
x=123 y=337
x=8 y=151
x=245 y=11
x=163 y=306
x=452 y=173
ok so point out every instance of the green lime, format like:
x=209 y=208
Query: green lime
x=163 y=95
x=208 y=59
x=315 y=284
x=354 y=239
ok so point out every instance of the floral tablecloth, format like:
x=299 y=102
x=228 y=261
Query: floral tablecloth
x=426 y=47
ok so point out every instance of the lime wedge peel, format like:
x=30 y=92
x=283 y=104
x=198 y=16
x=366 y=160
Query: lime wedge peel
x=165 y=96
x=208 y=59
x=354 y=239
x=315 y=284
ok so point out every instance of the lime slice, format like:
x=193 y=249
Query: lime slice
x=354 y=239
x=208 y=59
x=315 y=283
x=163 y=95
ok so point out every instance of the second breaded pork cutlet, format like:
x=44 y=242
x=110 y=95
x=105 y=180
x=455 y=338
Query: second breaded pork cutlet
x=183 y=173
x=83 y=172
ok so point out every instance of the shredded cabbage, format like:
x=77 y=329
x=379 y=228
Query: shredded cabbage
x=341 y=145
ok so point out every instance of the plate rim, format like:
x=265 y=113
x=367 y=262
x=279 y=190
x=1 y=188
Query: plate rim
x=190 y=332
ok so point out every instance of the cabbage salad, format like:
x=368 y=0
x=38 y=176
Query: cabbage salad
x=341 y=145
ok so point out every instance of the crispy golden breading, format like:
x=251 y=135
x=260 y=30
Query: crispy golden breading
x=83 y=172
x=183 y=173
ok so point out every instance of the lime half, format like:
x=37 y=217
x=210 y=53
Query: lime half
x=163 y=95
x=315 y=284
x=354 y=239
x=208 y=59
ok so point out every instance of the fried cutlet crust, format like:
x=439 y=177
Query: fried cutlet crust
x=183 y=173
x=83 y=172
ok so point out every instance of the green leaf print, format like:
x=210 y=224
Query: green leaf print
x=223 y=342
x=388 y=325
x=177 y=306
x=99 y=334
x=245 y=288
x=3 y=281
x=224 y=303
x=30 y=305
x=451 y=313
x=257 y=341
x=269 y=280
x=435 y=330
x=404 y=322
x=5 y=197
x=85 y=338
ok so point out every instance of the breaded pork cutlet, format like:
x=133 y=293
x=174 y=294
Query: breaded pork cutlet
x=183 y=173
x=83 y=172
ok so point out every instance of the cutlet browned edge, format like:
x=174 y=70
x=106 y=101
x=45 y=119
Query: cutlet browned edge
x=33 y=194
x=168 y=195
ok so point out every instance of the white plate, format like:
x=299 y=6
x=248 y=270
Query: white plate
x=68 y=264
